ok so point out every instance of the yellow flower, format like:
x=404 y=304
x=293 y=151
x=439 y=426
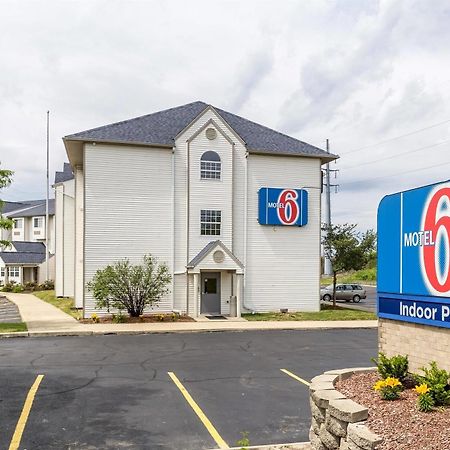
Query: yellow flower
x=392 y=382
x=379 y=385
x=422 y=389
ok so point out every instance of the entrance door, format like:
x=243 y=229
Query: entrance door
x=210 y=293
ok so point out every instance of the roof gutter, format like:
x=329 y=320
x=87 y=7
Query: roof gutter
x=325 y=158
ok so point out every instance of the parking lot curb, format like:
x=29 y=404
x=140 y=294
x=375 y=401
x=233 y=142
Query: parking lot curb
x=47 y=333
x=292 y=446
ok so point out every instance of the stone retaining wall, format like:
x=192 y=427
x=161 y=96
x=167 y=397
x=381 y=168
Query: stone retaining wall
x=337 y=422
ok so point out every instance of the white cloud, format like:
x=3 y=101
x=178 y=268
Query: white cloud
x=357 y=72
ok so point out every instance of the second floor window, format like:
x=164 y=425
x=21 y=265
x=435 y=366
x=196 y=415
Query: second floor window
x=210 y=221
x=18 y=223
x=210 y=166
x=38 y=222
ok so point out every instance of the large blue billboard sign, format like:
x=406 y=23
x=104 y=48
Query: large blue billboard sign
x=283 y=206
x=414 y=256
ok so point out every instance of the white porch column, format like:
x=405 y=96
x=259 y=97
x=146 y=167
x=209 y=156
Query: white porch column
x=196 y=277
x=239 y=277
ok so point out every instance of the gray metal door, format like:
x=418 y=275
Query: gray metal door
x=210 y=293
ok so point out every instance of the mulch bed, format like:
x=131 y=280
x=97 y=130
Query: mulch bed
x=399 y=422
x=146 y=318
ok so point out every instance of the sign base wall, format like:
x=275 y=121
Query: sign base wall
x=422 y=343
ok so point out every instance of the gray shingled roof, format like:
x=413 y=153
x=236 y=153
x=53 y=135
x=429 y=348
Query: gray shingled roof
x=161 y=129
x=37 y=210
x=22 y=258
x=29 y=247
x=65 y=175
x=12 y=206
x=207 y=248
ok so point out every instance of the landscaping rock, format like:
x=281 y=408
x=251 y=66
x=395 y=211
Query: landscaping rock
x=343 y=374
x=362 y=436
x=330 y=441
x=347 y=410
x=315 y=425
x=321 y=386
x=335 y=426
x=317 y=413
x=325 y=378
x=316 y=443
x=322 y=398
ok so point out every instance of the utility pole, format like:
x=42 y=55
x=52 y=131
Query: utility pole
x=47 y=228
x=328 y=270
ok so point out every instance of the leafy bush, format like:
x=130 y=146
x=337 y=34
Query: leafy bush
x=47 y=285
x=395 y=367
x=8 y=287
x=17 y=289
x=119 y=318
x=31 y=286
x=125 y=286
x=389 y=388
x=437 y=380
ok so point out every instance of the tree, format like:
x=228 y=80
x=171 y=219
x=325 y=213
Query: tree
x=347 y=249
x=123 y=285
x=5 y=223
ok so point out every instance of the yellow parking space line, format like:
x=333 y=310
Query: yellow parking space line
x=295 y=377
x=201 y=415
x=17 y=436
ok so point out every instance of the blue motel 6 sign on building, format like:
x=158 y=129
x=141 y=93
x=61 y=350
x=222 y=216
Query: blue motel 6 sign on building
x=278 y=206
x=414 y=256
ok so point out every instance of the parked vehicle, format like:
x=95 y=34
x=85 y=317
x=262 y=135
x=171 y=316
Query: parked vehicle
x=347 y=292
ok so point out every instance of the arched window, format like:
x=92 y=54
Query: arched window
x=210 y=166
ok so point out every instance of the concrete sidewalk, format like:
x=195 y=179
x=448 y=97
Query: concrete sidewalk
x=44 y=319
x=40 y=315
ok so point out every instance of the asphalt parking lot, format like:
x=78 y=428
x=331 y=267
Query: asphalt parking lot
x=114 y=392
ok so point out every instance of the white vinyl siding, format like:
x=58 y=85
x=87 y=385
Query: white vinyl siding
x=65 y=239
x=283 y=262
x=128 y=213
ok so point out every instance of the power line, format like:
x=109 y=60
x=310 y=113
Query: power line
x=399 y=174
x=396 y=138
x=408 y=152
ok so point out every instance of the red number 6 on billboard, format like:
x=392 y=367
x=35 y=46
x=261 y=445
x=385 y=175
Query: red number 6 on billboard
x=442 y=225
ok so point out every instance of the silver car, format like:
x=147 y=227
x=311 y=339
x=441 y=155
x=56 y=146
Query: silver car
x=347 y=292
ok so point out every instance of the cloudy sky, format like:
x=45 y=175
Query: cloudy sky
x=372 y=76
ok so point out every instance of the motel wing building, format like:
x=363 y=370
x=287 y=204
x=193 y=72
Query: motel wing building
x=231 y=206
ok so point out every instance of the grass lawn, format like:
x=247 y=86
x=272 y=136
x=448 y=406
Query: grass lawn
x=64 y=304
x=327 y=313
x=364 y=276
x=13 y=327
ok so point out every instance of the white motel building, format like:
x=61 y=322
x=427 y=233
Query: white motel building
x=231 y=206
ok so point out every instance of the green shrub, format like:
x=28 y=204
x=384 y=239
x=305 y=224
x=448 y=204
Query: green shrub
x=425 y=401
x=17 y=289
x=130 y=287
x=437 y=381
x=119 y=318
x=31 y=286
x=395 y=367
x=8 y=287
x=47 y=285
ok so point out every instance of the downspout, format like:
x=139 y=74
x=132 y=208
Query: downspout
x=173 y=227
x=187 y=222
x=245 y=230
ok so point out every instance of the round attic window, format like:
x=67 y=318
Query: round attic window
x=218 y=256
x=211 y=133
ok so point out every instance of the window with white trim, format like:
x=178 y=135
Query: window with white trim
x=18 y=223
x=210 y=166
x=210 y=222
x=14 y=272
x=38 y=222
x=2 y=272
